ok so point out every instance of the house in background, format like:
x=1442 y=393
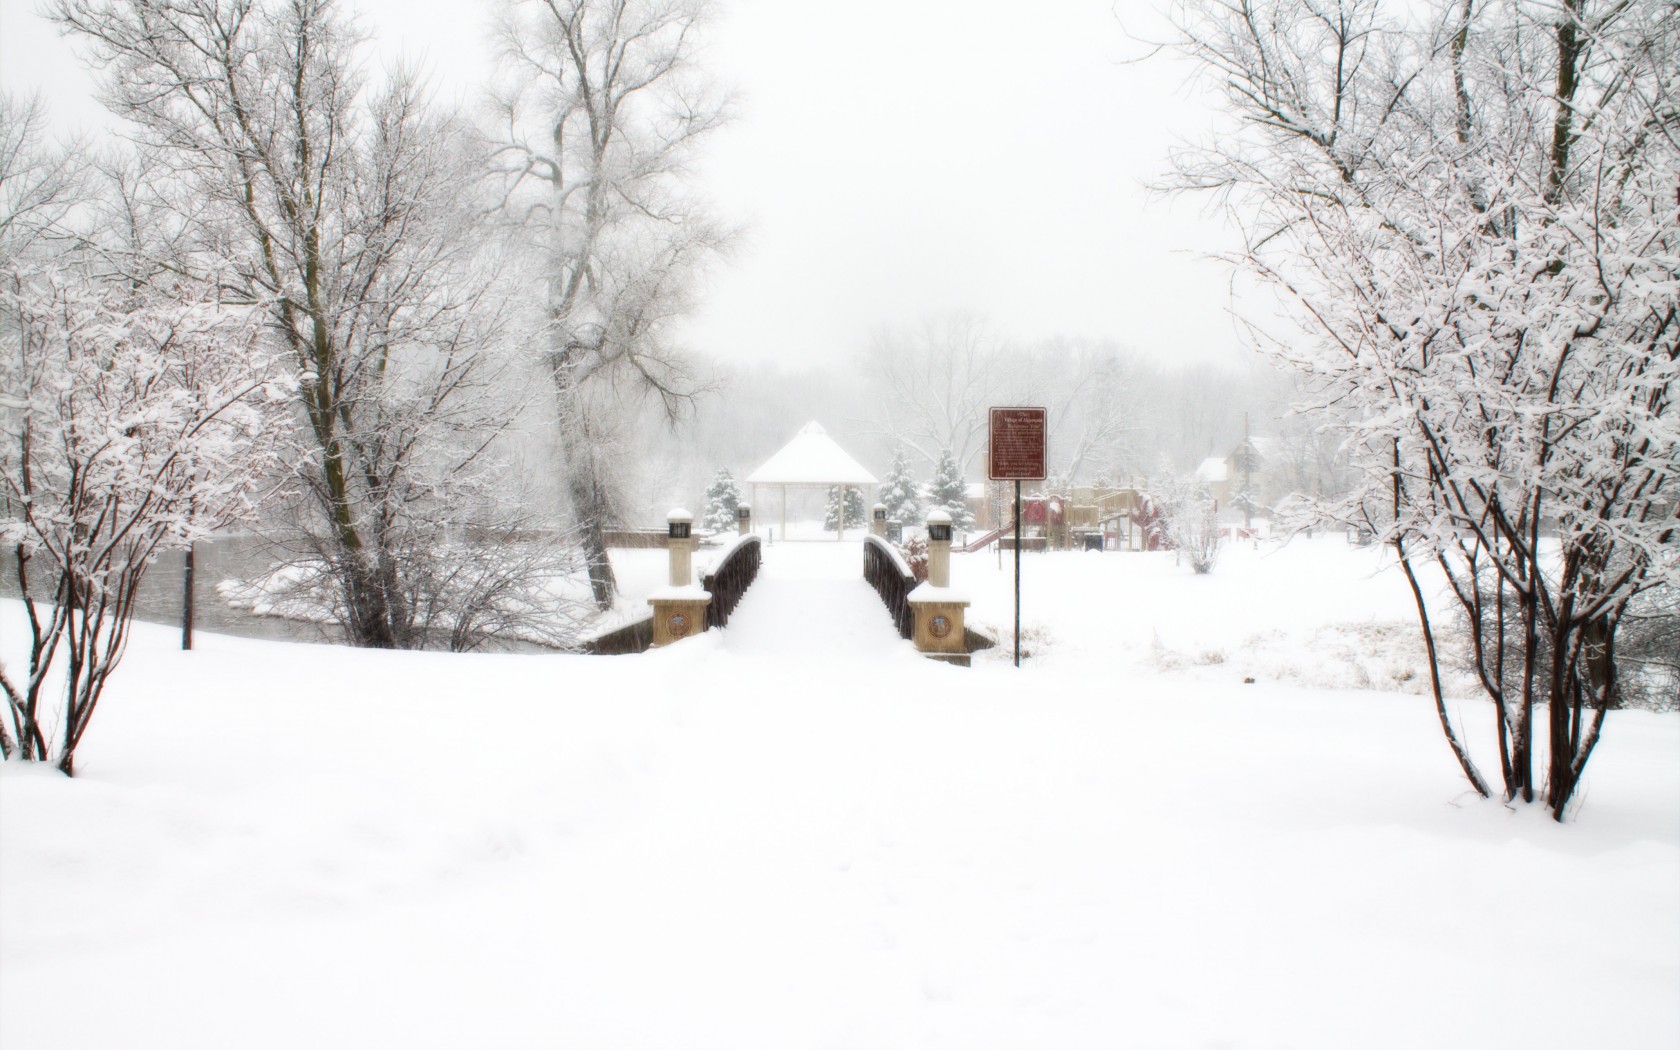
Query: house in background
x=1214 y=473
x=1230 y=477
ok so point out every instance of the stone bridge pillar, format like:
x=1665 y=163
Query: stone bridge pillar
x=679 y=609
x=938 y=610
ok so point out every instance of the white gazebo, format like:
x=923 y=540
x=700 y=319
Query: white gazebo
x=811 y=460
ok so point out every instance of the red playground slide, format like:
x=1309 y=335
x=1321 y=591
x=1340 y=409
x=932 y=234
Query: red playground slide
x=984 y=541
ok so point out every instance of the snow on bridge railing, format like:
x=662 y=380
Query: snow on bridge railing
x=733 y=572
x=886 y=570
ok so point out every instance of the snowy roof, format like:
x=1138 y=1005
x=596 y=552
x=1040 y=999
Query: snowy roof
x=811 y=458
x=1214 y=470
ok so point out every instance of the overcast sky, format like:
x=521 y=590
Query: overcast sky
x=894 y=159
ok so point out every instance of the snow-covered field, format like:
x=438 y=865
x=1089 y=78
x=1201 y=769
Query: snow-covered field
x=796 y=833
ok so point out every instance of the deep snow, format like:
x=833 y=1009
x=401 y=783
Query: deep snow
x=796 y=833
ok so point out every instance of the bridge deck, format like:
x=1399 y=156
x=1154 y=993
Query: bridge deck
x=811 y=598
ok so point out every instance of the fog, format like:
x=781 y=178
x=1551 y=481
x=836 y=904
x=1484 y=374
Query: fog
x=911 y=162
x=906 y=160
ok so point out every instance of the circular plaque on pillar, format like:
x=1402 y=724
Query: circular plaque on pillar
x=678 y=625
x=939 y=626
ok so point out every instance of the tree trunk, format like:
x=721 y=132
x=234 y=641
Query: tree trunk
x=367 y=619
x=591 y=507
x=1522 y=733
x=1465 y=763
x=586 y=484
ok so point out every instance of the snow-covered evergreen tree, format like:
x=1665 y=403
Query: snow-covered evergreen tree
x=855 y=516
x=900 y=492
x=723 y=497
x=948 y=491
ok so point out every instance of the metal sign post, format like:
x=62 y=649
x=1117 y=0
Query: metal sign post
x=1016 y=451
x=187 y=597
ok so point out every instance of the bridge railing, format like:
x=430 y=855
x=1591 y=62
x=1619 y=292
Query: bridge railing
x=729 y=579
x=886 y=570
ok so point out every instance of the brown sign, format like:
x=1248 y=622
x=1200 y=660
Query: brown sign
x=1017 y=445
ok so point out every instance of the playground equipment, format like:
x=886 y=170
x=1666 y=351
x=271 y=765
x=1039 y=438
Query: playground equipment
x=1087 y=518
x=986 y=539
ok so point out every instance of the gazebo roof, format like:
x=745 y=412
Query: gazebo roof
x=811 y=458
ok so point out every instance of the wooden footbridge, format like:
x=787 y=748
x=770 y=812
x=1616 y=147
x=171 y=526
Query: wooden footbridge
x=859 y=599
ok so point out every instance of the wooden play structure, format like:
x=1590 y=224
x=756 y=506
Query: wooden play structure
x=1098 y=518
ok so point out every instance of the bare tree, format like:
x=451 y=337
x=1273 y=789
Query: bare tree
x=342 y=215
x=39 y=184
x=599 y=116
x=932 y=385
x=1473 y=210
x=1105 y=408
x=1305 y=456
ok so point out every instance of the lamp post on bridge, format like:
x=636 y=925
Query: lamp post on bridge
x=938 y=611
x=679 y=609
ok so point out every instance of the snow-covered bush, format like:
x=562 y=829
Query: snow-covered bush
x=126 y=427
x=1648 y=650
x=1188 y=521
x=494 y=589
x=1195 y=533
x=915 y=551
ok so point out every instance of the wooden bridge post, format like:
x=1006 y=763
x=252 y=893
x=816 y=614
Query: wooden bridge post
x=679 y=609
x=937 y=609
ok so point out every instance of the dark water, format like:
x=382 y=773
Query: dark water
x=163 y=592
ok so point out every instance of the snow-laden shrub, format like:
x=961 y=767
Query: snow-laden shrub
x=127 y=426
x=915 y=551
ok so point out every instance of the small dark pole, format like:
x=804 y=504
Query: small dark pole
x=187 y=600
x=997 y=512
x=1248 y=478
x=1017 y=573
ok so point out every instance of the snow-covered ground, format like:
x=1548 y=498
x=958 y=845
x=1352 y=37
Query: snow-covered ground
x=1316 y=612
x=796 y=833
